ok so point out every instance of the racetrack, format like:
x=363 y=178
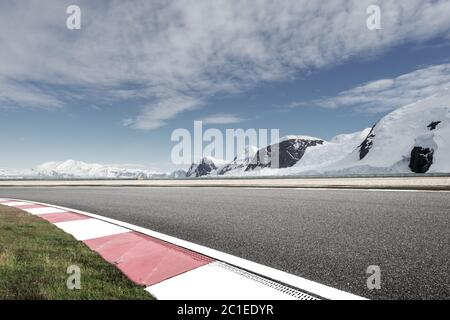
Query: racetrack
x=328 y=236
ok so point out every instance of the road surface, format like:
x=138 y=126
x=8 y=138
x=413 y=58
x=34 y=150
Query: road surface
x=328 y=236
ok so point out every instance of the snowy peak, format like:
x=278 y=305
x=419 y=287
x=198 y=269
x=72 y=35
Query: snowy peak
x=80 y=169
x=240 y=162
x=328 y=153
x=351 y=138
x=289 y=151
x=178 y=174
x=414 y=138
x=204 y=167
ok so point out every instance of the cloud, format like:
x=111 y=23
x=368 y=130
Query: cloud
x=169 y=57
x=156 y=115
x=12 y=94
x=222 y=118
x=387 y=94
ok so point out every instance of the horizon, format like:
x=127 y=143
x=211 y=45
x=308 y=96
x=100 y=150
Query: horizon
x=99 y=90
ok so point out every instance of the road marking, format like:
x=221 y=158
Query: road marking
x=215 y=281
x=146 y=260
x=15 y=203
x=83 y=230
x=43 y=210
x=90 y=228
x=62 y=217
x=336 y=189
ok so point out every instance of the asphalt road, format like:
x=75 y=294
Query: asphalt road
x=328 y=236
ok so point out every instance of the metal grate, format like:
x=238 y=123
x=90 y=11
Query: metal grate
x=272 y=284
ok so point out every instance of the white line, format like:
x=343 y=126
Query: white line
x=16 y=203
x=334 y=189
x=90 y=228
x=36 y=211
x=213 y=282
x=310 y=286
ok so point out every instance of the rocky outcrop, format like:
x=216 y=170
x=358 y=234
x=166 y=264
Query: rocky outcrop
x=290 y=151
x=421 y=159
x=366 y=145
x=240 y=162
x=203 y=168
x=432 y=126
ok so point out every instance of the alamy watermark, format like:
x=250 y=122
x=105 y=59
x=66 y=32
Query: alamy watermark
x=74 y=279
x=73 y=21
x=374 y=279
x=373 y=21
x=223 y=145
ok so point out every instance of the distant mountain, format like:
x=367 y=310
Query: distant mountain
x=73 y=169
x=178 y=174
x=414 y=138
x=14 y=173
x=204 y=167
x=240 y=162
x=80 y=169
x=288 y=151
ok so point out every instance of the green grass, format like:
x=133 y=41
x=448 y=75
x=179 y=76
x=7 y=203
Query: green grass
x=35 y=255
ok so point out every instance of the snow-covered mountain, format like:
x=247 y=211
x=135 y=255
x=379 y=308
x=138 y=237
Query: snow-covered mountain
x=80 y=169
x=73 y=169
x=304 y=154
x=204 y=167
x=178 y=174
x=288 y=151
x=414 y=138
x=14 y=173
x=240 y=162
x=3 y=173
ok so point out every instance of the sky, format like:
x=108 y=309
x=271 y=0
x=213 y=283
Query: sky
x=113 y=91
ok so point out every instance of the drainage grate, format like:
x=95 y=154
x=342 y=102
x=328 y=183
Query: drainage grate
x=272 y=284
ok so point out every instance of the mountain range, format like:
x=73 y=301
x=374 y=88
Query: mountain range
x=412 y=139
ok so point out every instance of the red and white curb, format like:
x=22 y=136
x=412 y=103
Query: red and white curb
x=172 y=268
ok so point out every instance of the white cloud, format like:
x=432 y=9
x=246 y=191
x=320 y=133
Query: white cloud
x=12 y=93
x=157 y=114
x=176 y=54
x=387 y=94
x=222 y=118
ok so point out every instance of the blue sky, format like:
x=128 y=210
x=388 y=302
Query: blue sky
x=114 y=91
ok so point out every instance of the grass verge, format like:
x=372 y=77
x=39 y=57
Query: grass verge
x=35 y=255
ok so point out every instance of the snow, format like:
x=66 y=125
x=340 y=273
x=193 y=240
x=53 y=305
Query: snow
x=330 y=152
x=293 y=137
x=212 y=160
x=9 y=173
x=394 y=137
x=205 y=167
x=240 y=162
x=80 y=169
x=351 y=139
x=441 y=138
x=399 y=132
x=392 y=140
